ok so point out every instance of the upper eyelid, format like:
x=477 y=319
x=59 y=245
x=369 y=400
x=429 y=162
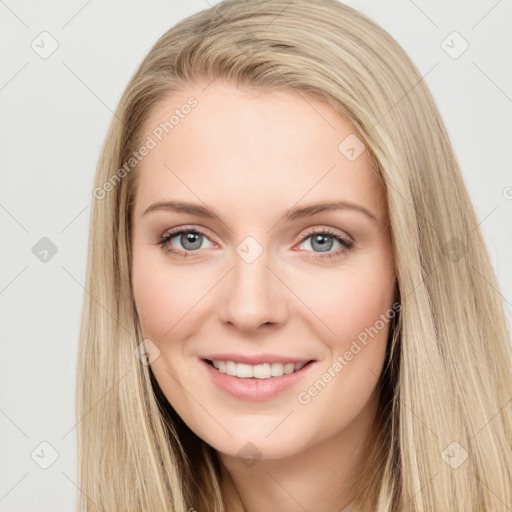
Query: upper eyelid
x=171 y=233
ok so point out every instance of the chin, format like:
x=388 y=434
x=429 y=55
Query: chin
x=258 y=445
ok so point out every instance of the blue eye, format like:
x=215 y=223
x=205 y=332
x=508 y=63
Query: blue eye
x=320 y=239
x=192 y=240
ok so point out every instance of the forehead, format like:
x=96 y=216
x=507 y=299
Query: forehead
x=258 y=150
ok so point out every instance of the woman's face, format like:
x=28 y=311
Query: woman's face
x=253 y=279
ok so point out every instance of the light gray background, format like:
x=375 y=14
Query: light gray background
x=54 y=116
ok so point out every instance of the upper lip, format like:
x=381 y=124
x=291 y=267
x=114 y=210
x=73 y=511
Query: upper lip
x=256 y=359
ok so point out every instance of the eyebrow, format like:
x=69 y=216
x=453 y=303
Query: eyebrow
x=290 y=214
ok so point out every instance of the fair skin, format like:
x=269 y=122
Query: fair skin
x=250 y=155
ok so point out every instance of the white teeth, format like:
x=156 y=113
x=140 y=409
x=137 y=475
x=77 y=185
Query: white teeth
x=288 y=368
x=231 y=367
x=244 y=370
x=276 y=369
x=258 y=371
x=261 y=371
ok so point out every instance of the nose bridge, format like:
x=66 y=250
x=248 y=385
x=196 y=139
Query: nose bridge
x=253 y=297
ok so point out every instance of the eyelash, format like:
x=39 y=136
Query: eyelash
x=166 y=237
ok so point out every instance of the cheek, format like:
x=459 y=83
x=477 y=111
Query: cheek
x=349 y=302
x=360 y=308
x=354 y=309
x=163 y=295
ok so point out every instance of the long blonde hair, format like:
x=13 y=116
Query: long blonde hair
x=445 y=420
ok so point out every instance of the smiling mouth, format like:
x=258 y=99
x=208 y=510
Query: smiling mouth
x=257 y=371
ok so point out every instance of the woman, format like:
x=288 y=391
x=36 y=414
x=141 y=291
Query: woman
x=249 y=371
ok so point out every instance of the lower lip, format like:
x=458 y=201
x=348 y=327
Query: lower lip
x=255 y=389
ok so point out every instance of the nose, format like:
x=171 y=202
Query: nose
x=252 y=296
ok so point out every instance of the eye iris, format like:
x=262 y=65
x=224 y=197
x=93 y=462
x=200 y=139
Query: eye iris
x=324 y=245
x=188 y=237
